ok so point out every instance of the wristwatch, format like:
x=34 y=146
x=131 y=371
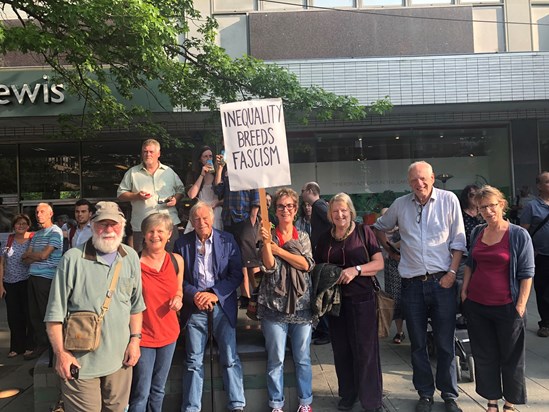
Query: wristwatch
x=136 y=335
x=358 y=269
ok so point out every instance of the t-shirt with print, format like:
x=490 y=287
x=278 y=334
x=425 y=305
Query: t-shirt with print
x=51 y=236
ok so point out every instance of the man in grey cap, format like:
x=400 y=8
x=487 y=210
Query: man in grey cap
x=100 y=379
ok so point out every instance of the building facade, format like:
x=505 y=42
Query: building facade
x=468 y=81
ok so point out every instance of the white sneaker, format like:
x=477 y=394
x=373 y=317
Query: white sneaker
x=304 y=408
x=277 y=410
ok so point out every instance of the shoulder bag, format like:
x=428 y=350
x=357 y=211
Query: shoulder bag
x=82 y=330
x=385 y=304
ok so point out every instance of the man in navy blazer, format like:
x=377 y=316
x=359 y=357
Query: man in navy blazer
x=213 y=272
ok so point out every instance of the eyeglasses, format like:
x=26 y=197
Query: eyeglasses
x=289 y=206
x=419 y=213
x=104 y=225
x=491 y=206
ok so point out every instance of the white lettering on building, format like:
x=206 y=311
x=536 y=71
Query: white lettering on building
x=45 y=92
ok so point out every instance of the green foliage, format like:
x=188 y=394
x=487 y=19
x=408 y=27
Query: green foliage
x=105 y=50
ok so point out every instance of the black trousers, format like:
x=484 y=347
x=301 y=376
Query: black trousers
x=17 y=307
x=497 y=341
x=356 y=350
x=541 y=286
x=39 y=291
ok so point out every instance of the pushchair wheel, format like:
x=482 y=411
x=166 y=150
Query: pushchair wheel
x=471 y=366
x=458 y=368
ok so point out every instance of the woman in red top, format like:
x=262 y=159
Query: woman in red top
x=496 y=285
x=162 y=291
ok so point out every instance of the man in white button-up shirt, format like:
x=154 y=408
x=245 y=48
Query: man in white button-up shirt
x=432 y=242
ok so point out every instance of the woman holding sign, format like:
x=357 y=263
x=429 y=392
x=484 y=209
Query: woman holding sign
x=202 y=187
x=285 y=302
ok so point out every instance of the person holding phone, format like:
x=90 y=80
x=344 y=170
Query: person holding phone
x=202 y=187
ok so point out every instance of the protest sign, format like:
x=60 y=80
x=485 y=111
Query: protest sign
x=255 y=144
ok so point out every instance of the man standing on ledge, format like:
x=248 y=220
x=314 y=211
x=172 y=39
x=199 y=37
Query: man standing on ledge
x=81 y=283
x=433 y=240
x=43 y=255
x=151 y=187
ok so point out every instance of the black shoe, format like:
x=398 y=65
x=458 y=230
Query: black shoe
x=346 y=404
x=424 y=404
x=450 y=405
x=380 y=409
x=237 y=410
x=323 y=340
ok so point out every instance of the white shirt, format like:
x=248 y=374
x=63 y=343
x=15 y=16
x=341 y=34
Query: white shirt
x=426 y=246
x=81 y=235
x=163 y=184
x=204 y=262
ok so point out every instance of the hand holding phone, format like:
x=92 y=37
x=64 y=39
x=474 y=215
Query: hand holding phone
x=75 y=371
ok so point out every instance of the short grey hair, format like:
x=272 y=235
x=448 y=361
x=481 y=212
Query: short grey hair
x=157 y=219
x=345 y=198
x=199 y=205
x=421 y=163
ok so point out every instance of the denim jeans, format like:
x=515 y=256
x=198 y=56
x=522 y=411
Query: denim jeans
x=423 y=300
x=275 y=342
x=196 y=339
x=149 y=378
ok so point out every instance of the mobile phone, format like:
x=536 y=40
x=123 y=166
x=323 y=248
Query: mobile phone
x=75 y=371
x=168 y=199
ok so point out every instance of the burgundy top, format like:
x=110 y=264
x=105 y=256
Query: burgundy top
x=489 y=283
x=349 y=253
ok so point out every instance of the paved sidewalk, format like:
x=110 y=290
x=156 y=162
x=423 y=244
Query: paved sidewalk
x=397 y=376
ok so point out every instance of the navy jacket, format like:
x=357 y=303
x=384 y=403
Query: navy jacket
x=227 y=269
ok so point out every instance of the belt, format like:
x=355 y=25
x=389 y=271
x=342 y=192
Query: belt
x=424 y=278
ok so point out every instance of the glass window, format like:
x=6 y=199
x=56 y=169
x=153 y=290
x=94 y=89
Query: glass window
x=372 y=166
x=332 y=3
x=288 y=5
x=50 y=171
x=104 y=165
x=233 y=34
x=416 y=2
x=540 y=34
x=8 y=174
x=544 y=145
x=369 y=3
x=488 y=37
x=233 y=5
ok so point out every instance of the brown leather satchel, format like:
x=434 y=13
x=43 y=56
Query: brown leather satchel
x=82 y=329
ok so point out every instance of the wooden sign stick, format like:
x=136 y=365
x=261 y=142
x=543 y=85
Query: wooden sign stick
x=264 y=210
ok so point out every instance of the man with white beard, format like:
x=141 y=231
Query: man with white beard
x=100 y=379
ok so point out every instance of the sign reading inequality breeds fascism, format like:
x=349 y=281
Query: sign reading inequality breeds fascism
x=255 y=144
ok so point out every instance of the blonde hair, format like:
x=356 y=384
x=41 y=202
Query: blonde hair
x=490 y=191
x=345 y=198
x=150 y=142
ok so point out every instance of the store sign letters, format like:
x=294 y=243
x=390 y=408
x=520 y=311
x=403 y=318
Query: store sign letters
x=21 y=94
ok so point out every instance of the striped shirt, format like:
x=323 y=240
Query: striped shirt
x=52 y=236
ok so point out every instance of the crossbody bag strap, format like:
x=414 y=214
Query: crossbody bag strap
x=110 y=292
x=538 y=227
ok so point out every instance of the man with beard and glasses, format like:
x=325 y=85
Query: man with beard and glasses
x=81 y=283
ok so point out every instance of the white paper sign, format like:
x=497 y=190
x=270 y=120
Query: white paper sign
x=255 y=144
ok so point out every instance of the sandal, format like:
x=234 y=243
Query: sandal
x=399 y=338
x=493 y=405
x=12 y=354
x=508 y=407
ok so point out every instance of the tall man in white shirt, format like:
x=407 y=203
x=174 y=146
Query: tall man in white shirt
x=432 y=242
x=151 y=187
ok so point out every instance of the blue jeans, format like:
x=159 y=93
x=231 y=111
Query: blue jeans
x=149 y=378
x=196 y=337
x=423 y=300
x=275 y=342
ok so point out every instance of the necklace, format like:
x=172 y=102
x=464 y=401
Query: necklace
x=345 y=235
